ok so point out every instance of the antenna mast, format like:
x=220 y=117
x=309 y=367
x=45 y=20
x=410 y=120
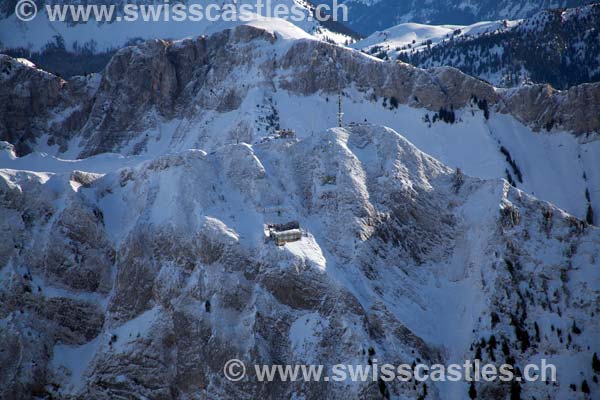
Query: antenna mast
x=339 y=73
x=340 y=113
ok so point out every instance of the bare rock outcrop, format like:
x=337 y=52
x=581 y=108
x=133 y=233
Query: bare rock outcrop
x=395 y=263
x=163 y=80
x=30 y=99
x=576 y=109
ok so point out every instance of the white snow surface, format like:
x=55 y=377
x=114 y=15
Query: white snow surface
x=230 y=194
x=194 y=179
x=552 y=165
x=38 y=33
x=393 y=40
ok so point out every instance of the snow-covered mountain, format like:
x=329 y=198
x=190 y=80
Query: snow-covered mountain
x=249 y=82
x=402 y=40
x=142 y=279
x=69 y=48
x=560 y=47
x=411 y=36
x=369 y=16
x=133 y=206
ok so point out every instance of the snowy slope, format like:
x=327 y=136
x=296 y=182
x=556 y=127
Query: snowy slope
x=413 y=37
x=552 y=166
x=167 y=260
x=212 y=109
x=36 y=34
x=369 y=16
x=559 y=47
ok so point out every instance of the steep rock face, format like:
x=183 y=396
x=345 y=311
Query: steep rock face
x=172 y=80
x=33 y=319
x=401 y=260
x=31 y=93
x=30 y=99
x=331 y=68
x=546 y=107
x=161 y=80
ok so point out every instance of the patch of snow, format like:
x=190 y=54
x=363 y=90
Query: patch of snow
x=72 y=362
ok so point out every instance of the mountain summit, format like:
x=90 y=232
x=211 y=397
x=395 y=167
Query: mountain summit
x=191 y=204
x=144 y=280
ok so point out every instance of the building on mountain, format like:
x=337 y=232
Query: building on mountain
x=281 y=238
x=284 y=233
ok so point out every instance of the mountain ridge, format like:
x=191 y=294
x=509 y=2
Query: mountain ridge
x=366 y=17
x=546 y=107
x=505 y=53
x=386 y=282
x=170 y=96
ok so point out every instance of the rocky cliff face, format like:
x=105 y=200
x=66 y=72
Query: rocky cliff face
x=245 y=84
x=195 y=77
x=547 y=108
x=140 y=273
x=145 y=280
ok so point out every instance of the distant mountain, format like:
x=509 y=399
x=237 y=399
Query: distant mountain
x=559 y=47
x=368 y=16
x=413 y=37
x=69 y=49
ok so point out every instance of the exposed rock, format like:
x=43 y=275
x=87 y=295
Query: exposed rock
x=395 y=265
x=155 y=274
x=576 y=109
x=161 y=80
x=29 y=96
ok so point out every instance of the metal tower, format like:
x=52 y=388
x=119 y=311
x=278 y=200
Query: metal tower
x=340 y=113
